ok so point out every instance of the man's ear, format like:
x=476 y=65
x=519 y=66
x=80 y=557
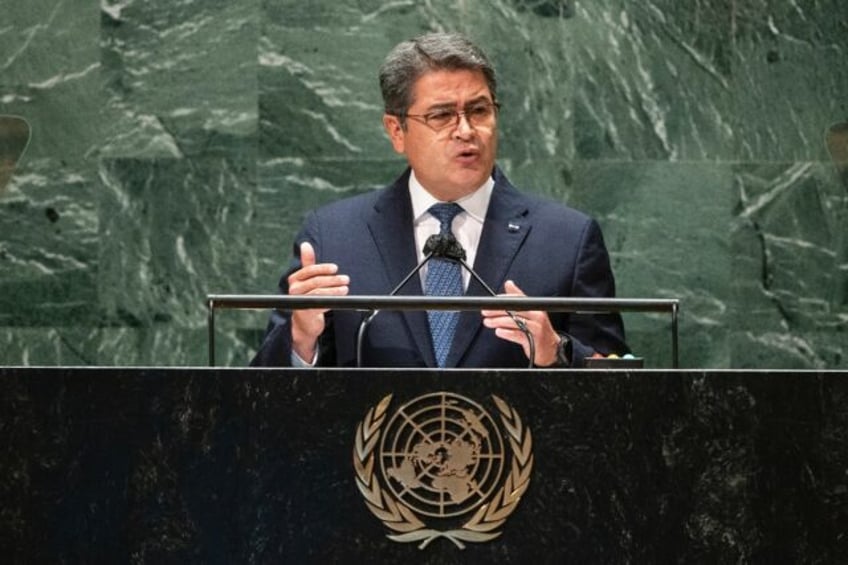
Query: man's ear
x=395 y=131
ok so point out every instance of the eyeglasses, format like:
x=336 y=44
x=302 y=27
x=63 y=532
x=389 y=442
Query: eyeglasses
x=477 y=114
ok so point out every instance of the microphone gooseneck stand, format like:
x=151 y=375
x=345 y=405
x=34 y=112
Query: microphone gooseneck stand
x=363 y=325
x=444 y=246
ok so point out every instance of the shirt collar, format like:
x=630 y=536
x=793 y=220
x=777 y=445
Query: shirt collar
x=475 y=204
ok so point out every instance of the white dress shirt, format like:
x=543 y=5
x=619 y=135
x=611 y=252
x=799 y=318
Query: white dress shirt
x=467 y=225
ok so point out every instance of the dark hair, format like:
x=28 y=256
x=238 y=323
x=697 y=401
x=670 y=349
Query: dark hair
x=409 y=60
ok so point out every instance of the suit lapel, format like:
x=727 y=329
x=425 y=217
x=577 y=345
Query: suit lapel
x=391 y=226
x=504 y=231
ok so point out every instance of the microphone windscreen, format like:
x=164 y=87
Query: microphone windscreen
x=445 y=246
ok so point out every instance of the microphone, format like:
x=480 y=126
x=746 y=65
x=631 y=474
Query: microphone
x=444 y=246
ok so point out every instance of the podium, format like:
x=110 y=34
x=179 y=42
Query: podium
x=203 y=465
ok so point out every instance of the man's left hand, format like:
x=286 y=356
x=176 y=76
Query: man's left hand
x=545 y=338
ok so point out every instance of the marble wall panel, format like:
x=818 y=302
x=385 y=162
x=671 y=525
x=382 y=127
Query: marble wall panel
x=49 y=73
x=236 y=337
x=32 y=345
x=48 y=248
x=171 y=231
x=789 y=264
x=318 y=91
x=789 y=82
x=653 y=80
x=180 y=77
x=48 y=212
x=122 y=344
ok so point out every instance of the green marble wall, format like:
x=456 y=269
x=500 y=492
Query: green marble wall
x=177 y=144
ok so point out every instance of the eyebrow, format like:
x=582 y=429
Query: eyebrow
x=452 y=105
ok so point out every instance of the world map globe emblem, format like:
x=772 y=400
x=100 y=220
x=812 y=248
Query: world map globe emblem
x=442 y=455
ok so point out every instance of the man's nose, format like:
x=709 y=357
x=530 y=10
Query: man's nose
x=463 y=126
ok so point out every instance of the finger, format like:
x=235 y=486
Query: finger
x=505 y=321
x=314 y=271
x=310 y=313
x=307 y=254
x=512 y=289
x=313 y=284
x=309 y=268
x=512 y=335
x=334 y=291
x=340 y=290
x=493 y=313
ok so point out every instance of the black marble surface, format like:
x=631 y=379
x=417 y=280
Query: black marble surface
x=255 y=466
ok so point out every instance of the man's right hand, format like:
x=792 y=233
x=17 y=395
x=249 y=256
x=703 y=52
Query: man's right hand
x=319 y=279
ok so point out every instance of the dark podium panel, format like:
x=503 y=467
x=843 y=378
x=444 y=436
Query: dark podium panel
x=257 y=466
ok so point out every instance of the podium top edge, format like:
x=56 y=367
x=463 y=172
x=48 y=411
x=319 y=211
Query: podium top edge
x=370 y=303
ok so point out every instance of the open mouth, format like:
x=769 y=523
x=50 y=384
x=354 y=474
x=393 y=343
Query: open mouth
x=467 y=154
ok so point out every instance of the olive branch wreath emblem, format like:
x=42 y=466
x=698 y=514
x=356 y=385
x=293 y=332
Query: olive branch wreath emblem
x=398 y=517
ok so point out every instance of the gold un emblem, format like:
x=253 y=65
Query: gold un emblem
x=442 y=458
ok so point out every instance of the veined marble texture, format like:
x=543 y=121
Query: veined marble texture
x=176 y=146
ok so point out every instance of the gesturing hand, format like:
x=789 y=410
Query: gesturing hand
x=538 y=324
x=318 y=279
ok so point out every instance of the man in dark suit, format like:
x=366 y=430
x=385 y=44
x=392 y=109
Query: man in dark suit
x=441 y=112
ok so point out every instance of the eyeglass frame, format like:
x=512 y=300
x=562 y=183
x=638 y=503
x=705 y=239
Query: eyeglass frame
x=494 y=105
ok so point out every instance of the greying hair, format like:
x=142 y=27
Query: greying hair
x=409 y=60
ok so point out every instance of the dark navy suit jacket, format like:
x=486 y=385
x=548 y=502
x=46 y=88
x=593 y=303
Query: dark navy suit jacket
x=548 y=250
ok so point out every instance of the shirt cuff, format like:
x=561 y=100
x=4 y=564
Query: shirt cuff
x=299 y=363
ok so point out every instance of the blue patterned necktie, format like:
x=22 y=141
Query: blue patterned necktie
x=444 y=278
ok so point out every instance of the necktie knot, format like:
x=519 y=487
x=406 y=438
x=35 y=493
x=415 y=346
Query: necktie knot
x=445 y=212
